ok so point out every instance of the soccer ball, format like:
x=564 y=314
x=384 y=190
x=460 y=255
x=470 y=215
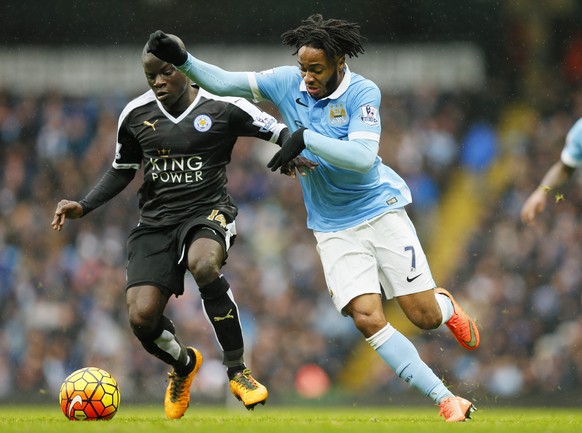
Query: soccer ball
x=89 y=394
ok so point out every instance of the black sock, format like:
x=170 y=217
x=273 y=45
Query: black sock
x=222 y=313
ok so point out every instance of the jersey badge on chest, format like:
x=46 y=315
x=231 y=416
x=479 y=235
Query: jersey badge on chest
x=337 y=114
x=202 y=123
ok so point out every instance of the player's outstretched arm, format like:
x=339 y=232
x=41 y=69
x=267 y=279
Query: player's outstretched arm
x=66 y=209
x=557 y=175
x=357 y=155
x=210 y=77
x=111 y=184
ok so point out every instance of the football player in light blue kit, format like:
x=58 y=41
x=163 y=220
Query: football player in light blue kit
x=355 y=204
x=557 y=175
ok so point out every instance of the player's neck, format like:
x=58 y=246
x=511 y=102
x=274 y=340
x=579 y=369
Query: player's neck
x=184 y=102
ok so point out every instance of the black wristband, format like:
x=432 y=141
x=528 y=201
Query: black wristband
x=85 y=207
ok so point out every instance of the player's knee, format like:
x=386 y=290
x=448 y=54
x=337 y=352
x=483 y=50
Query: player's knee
x=368 y=322
x=426 y=320
x=204 y=271
x=142 y=320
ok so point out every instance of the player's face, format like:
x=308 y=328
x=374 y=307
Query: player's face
x=321 y=73
x=168 y=84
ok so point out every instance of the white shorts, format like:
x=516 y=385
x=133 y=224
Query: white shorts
x=383 y=254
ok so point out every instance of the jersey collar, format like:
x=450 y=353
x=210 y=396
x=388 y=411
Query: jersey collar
x=341 y=89
x=186 y=112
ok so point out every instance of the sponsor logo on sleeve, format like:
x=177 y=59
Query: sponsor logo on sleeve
x=369 y=115
x=265 y=122
x=267 y=72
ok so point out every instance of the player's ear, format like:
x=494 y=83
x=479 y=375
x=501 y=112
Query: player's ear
x=341 y=63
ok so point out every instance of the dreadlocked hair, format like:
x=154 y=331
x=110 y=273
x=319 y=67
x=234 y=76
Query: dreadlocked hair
x=335 y=37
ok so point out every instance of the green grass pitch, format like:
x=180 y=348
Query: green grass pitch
x=150 y=419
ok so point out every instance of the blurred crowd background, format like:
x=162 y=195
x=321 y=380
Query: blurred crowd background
x=471 y=157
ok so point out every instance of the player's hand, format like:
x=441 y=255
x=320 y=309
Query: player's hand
x=299 y=165
x=166 y=48
x=534 y=205
x=290 y=149
x=66 y=209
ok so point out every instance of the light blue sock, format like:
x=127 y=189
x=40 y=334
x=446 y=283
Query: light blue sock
x=401 y=355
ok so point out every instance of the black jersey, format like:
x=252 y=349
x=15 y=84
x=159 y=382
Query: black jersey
x=184 y=158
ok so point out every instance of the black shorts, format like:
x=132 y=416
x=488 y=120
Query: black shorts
x=157 y=255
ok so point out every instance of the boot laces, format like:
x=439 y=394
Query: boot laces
x=245 y=380
x=177 y=385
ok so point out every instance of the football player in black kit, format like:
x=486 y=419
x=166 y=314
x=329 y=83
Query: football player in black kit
x=183 y=137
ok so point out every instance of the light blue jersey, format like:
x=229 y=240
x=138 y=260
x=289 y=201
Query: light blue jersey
x=350 y=185
x=335 y=198
x=572 y=152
